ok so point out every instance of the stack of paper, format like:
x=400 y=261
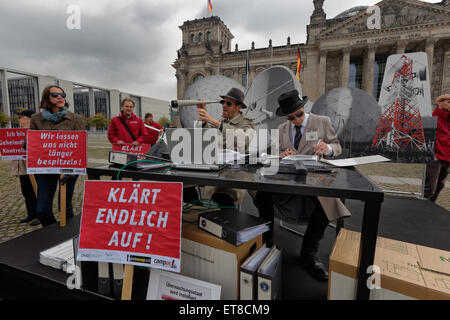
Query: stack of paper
x=356 y=161
x=60 y=257
x=252 y=232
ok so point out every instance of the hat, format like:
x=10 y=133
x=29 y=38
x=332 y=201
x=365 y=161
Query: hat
x=443 y=97
x=236 y=95
x=290 y=102
x=25 y=113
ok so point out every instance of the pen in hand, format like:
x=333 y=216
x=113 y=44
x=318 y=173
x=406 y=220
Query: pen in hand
x=317 y=158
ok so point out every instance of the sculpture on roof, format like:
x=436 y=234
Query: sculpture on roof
x=318 y=6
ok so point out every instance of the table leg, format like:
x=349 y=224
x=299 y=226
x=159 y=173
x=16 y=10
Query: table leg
x=367 y=246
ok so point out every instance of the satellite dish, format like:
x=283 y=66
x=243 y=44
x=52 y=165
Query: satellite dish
x=354 y=115
x=262 y=96
x=208 y=88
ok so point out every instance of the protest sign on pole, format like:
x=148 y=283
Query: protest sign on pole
x=132 y=222
x=11 y=141
x=129 y=148
x=59 y=152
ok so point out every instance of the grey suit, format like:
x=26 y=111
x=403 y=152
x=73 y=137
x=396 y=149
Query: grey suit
x=291 y=205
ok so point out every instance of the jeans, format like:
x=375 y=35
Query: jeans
x=47 y=184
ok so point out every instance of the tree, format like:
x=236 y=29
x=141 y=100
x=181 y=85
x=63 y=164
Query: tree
x=4 y=119
x=100 y=121
x=163 y=121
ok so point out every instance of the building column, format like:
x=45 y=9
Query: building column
x=429 y=49
x=322 y=72
x=345 y=67
x=445 y=87
x=114 y=103
x=368 y=69
x=181 y=83
x=5 y=94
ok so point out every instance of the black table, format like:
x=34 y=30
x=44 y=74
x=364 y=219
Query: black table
x=23 y=277
x=345 y=183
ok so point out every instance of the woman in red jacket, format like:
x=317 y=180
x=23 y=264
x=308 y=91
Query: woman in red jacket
x=127 y=127
x=437 y=171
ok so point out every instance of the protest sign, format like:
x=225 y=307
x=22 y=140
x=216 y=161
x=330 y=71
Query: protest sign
x=129 y=148
x=130 y=222
x=59 y=152
x=11 y=141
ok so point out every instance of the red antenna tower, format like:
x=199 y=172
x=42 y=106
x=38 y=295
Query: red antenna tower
x=400 y=124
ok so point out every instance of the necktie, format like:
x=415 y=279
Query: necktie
x=298 y=136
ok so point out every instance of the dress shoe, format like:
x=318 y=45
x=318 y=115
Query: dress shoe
x=315 y=267
x=35 y=222
x=27 y=219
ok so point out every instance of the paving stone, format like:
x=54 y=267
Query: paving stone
x=387 y=180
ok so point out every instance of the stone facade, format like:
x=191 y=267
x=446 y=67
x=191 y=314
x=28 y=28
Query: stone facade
x=332 y=47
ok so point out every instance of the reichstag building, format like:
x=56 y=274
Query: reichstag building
x=339 y=52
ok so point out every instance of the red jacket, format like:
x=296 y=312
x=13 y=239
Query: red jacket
x=442 y=147
x=117 y=130
x=152 y=135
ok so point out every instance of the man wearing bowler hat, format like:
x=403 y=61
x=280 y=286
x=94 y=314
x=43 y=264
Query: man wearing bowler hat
x=232 y=119
x=307 y=134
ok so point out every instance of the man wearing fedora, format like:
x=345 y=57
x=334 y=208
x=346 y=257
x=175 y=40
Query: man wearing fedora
x=232 y=119
x=307 y=134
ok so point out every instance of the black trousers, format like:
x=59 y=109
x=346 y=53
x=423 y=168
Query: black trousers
x=315 y=230
x=29 y=195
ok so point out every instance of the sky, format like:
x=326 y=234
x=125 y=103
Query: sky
x=130 y=45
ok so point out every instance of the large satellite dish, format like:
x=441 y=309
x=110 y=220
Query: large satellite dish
x=262 y=96
x=354 y=115
x=208 y=88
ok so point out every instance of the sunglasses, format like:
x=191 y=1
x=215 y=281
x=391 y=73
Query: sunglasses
x=228 y=103
x=56 y=94
x=298 y=115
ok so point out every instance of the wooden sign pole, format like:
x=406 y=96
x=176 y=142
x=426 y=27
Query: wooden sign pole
x=127 y=284
x=62 y=203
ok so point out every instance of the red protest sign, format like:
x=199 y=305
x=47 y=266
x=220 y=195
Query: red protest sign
x=129 y=148
x=60 y=152
x=11 y=141
x=132 y=222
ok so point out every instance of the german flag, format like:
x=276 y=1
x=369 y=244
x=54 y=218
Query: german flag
x=210 y=6
x=299 y=64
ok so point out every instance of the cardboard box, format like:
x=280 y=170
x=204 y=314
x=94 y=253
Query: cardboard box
x=407 y=271
x=208 y=258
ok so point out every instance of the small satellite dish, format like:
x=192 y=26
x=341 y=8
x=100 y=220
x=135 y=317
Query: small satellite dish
x=354 y=115
x=262 y=96
x=208 y=88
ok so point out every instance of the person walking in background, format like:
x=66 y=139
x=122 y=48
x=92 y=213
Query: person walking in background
x=152 y=135
x=127 y=127
x=19 y=168
x=54 y=116
x=437 y=170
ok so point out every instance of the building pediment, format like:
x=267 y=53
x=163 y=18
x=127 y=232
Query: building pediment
x=394 y=14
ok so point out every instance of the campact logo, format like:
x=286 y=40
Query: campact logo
x=165 y=264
